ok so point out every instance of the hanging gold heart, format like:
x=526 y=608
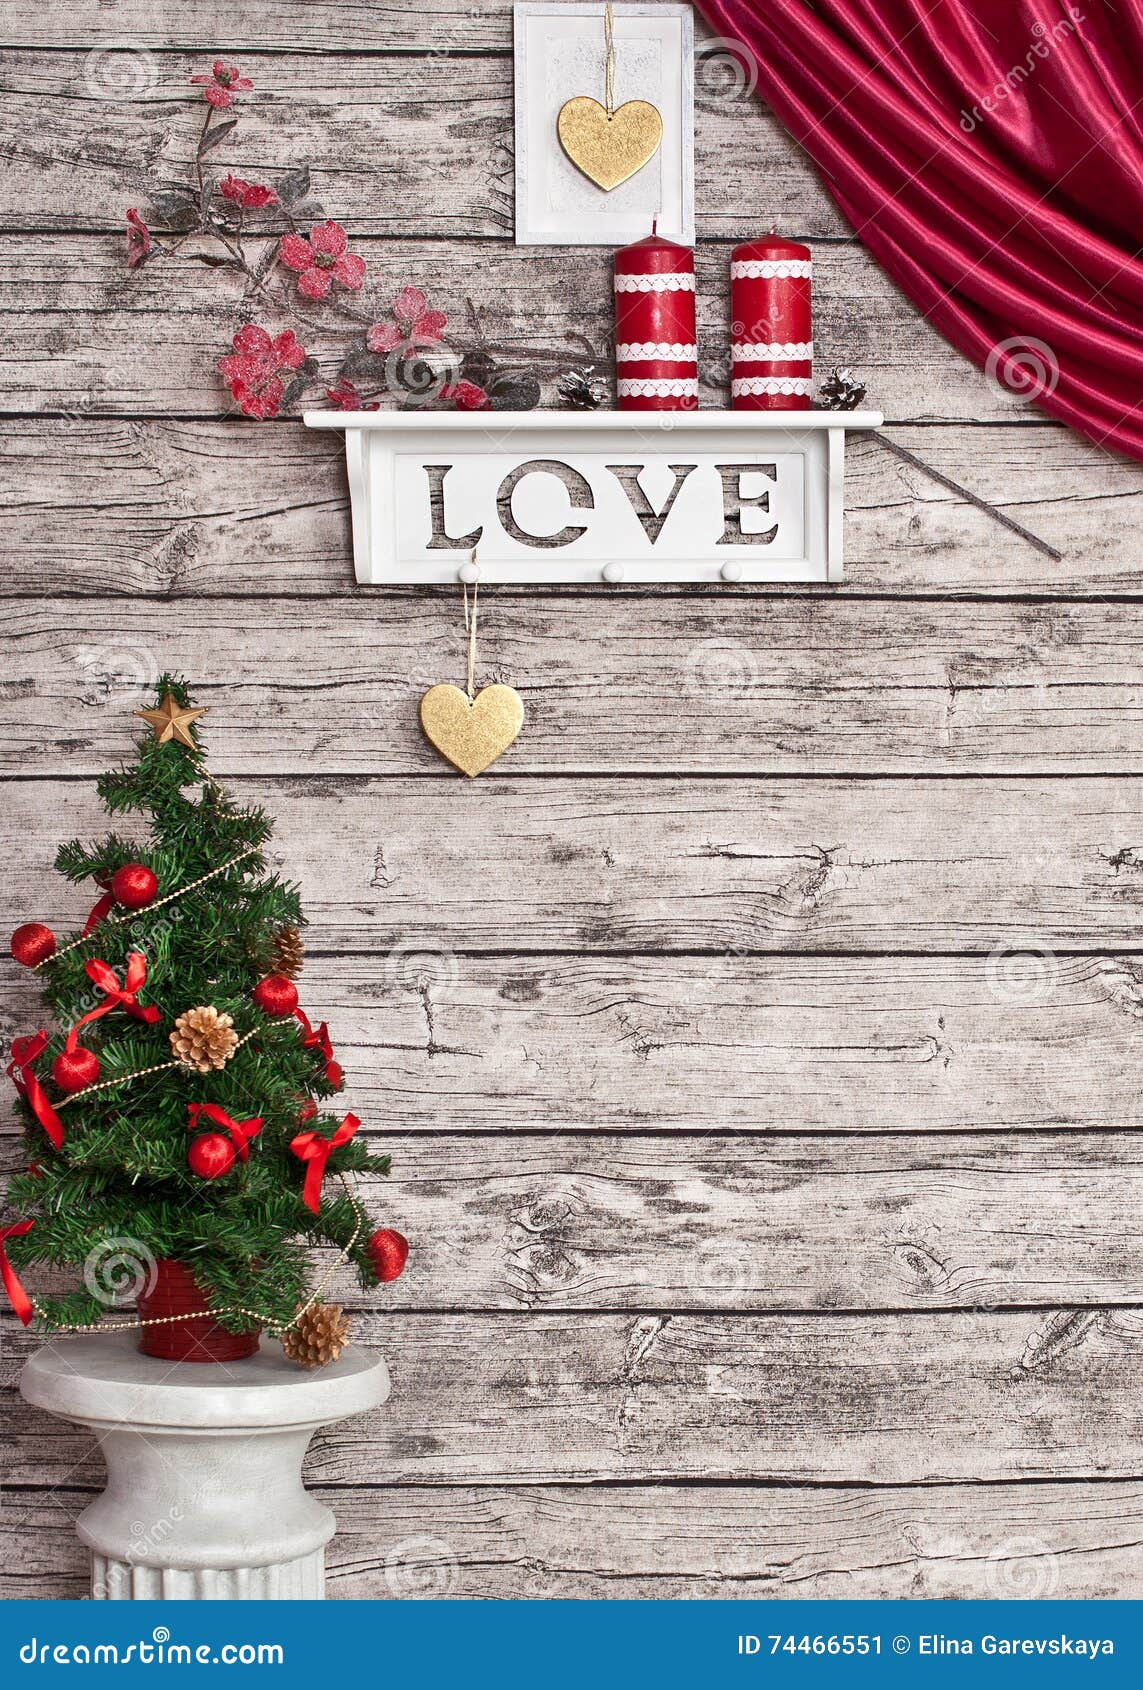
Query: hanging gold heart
x=471 y=733
x=609 y=149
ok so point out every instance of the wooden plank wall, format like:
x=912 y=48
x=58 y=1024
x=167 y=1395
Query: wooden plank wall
x=759 y=1050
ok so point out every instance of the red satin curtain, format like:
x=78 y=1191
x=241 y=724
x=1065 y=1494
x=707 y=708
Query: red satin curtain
x=989 y=153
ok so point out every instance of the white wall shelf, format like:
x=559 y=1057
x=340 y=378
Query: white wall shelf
x=632 y=496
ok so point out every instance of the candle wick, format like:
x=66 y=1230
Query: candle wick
x=654 y=225
x=773 y=228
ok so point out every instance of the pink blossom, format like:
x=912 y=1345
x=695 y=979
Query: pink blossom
x=384 y=337
x=322 y=259
x=252 y=196
x=138 y=239
x=465 y=395
x=254 y=370
x=425 y=327
x=221 y=84
x=345 y=397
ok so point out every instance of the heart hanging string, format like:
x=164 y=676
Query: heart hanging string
x=609 y=72
x=471 y=729
x=470 y=630
x=609 y=145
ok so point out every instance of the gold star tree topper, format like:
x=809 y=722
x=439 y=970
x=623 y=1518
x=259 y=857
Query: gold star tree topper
x=172 y=721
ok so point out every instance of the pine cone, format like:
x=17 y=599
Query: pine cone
x=317 y=1336
x=841 y=391
x=204 y=1039
x=581 y=390
x=287 y=952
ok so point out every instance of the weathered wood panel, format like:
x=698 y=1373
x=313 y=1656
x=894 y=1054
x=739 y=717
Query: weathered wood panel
x=396 y=145
x=200 y=509
x=848 y=1399
x=550 y=1223
x=438 y=1042
x=84 y=333
x=728 y=867
x=549 y=1114
x=448 y=26
x=1078 y=1541
x=728 y=684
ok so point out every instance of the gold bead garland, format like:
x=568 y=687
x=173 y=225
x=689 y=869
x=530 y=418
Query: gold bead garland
x=271 y=1328
x=138 y=1074
x=116 y=920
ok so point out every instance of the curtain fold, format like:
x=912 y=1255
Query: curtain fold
x=989 y=153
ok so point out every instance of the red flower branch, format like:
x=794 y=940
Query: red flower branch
x=398 y=358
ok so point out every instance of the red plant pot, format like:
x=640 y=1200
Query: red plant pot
x=190 y=1332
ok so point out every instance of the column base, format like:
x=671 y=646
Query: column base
x=279 y=1581
x=204 y=1497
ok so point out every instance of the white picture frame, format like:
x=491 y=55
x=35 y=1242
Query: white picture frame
x=559 y=53
x=704 y=496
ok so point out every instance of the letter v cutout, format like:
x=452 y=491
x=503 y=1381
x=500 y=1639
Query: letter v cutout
x=628 y=475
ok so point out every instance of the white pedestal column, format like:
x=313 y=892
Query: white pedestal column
x=204 y=1490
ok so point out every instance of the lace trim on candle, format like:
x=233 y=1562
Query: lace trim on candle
x=676 y=351
x=749 y=352
x=685 y=387
x=669 y=282
x=765 y=269
x=745 y=386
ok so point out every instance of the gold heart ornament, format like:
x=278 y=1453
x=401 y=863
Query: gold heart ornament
x=609 y=149
x=471 y=733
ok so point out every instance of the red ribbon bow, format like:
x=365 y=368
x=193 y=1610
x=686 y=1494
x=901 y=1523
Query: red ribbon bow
x=101 y=905
x=116 y=996
x=317 y=1038
x=316 y=1151
x=21 y=1072
x=17 y=1296
x=241 y=1132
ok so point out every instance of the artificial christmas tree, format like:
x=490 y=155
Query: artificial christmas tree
x=182 y=1126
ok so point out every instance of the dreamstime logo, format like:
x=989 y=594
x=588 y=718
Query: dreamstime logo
x=126 y=666
x=120 y=73
x=77 y=409
x=720 y=666
x=997 y=696
x=421 y=1567
x=1023 y=973
x=1040 y=48
x=413 y=967
x=145 y=1539
x=1023 y=367
x=724 y=70
x=1023 y=1569
x=118 y=1270
x=417 y=377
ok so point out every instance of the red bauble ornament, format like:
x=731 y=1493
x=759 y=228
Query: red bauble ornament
x=33 y=943
x=134 y=886
x=72 y=1070
x=388 y=1251
x=211 y=1156
x=276 y=995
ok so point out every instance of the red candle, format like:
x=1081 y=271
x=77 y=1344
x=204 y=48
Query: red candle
x=772 y=353
x=656 y=359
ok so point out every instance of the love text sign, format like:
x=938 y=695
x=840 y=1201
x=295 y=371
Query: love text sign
x=549 y=497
